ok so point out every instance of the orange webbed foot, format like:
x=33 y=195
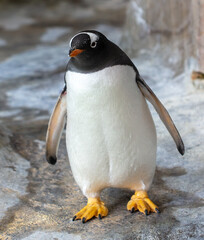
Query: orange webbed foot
x=94 y=208
x=141 y=202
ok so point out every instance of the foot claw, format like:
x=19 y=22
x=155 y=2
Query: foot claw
x=83 y=220
x=73 y=219
x=146 y=212
x=132 y=210
x=157 y=210
x=99 y=216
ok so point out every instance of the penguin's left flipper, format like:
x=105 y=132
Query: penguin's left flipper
x=55 y=128
x=163 y=114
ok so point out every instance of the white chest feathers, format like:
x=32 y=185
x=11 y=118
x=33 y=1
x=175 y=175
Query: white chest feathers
x=111 y=138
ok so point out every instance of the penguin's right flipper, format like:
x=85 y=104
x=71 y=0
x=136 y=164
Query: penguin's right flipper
x=55 y=128
x=163 y=114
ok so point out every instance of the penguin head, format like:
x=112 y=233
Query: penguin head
x=91 y=51
x=87 y=44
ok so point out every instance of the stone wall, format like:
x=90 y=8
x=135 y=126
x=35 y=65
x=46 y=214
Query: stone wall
x=199 y=16
x=171 y=29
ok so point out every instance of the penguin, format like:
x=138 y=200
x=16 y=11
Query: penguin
x=110 y=135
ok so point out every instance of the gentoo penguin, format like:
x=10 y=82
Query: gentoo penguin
x=110 y=137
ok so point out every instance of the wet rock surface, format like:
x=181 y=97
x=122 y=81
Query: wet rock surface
x=38 y=201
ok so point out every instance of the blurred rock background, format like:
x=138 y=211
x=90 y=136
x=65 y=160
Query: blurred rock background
x=165 y=41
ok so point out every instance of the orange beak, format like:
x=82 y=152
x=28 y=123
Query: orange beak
x=76 y=52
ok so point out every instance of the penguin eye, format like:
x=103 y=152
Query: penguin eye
x=93 y=44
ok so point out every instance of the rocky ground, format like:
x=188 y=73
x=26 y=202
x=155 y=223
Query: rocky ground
x=38 y=201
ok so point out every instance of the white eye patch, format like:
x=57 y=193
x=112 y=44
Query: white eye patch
x=93 y=37
x=93 y=44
